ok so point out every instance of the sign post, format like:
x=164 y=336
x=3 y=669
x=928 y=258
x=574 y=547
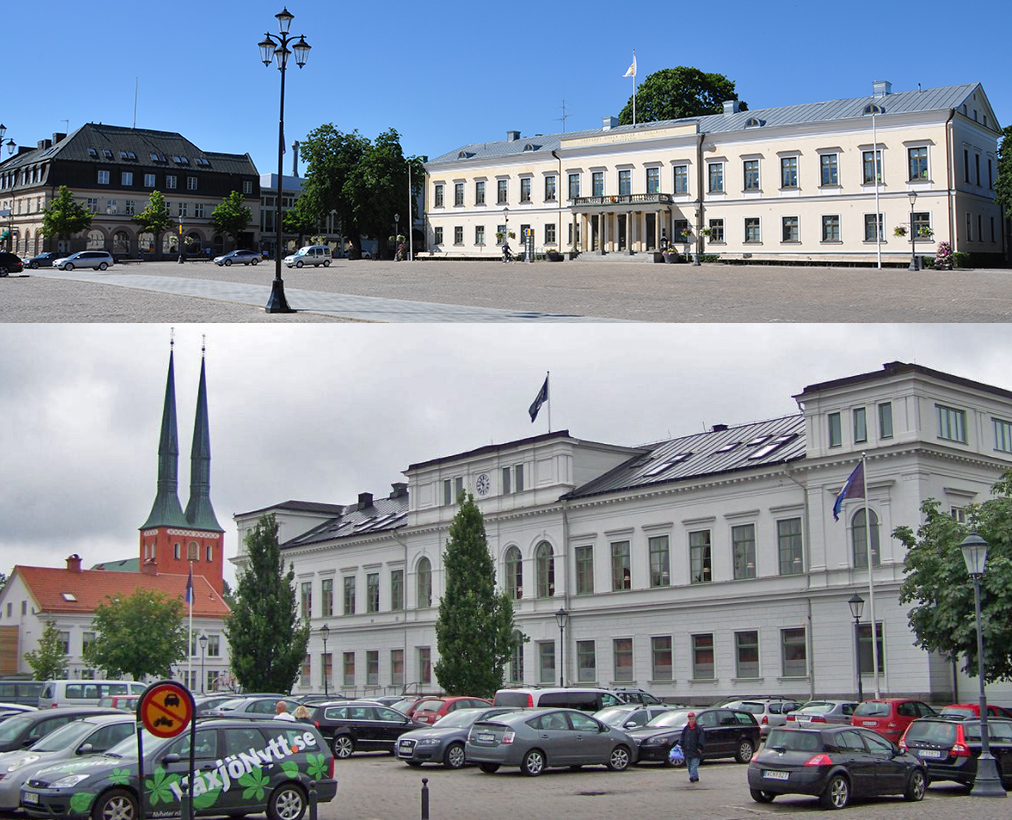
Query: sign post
x=166 y=709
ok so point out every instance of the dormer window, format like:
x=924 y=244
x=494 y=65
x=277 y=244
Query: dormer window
x=873 y=109
x=108 y=153
x=93 y=153
x=752 y=122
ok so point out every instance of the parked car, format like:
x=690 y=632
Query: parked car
x=86 y=259
x=726 y=733
x=20 y=691
x=632 y=715
x=586 y=699
x=430 y=710
x=205 y=704
x=245 y=257
x=636 y=696
x=950 y=747
x=543 y=738
x=361 y=726
x=89 y=735
x=43 y=260
x=444 y=742
x=835 y=764
x=85 y=692
x=768 y=712
x=890 y=716
x=105 y=786
x=961 y=710
x=126 y=702
x=310 y=255
x=835 y=712
x=258 y=706
x=21 y=731
x=386 y=700
x=9 y=263
x=11 y=709
x=407 y=705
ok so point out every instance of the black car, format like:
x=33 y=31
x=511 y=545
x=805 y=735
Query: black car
x=364 y=726
x=43 y=260
x=726 y=733
x=9 y=263
x=21 y=731
x=950 y=748
x=834 y=764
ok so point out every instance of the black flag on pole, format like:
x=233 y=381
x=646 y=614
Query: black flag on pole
x=540 y=399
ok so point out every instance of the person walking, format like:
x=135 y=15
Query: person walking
x=693 y=742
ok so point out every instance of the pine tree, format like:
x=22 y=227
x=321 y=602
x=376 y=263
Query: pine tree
x=49 y=659
x=474 y=631
x=265 y=635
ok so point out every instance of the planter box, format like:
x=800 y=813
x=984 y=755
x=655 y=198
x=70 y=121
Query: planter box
x=670 y=258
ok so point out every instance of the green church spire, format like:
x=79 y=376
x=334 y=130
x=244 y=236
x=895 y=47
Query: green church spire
x=166 y=512
x=199 y=512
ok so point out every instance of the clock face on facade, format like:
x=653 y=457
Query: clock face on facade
x=483 y=484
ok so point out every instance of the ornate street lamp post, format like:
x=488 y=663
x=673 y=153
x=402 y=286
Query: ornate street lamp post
x=325 y=633
x=913 y=233
x=278 y=49
x=560 y=618
x=203 y=648
x=856 y=604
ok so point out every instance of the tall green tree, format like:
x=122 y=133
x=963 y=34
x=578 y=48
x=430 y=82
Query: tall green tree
x=474 y=630
x=266 y=637
x=682 y=91
x=155 y=219
x=300 y=220
x=141 y=634
x=1003 y=185
x=943 y=618
x=232 y=217
x=49 y=659
x=64 y=217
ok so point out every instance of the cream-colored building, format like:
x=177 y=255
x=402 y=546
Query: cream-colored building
x=791 y=184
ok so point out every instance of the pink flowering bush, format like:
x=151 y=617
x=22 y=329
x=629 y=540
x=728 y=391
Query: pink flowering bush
x=943 y=255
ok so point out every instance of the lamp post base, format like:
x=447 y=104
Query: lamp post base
x=987 y=782
x=277 y=302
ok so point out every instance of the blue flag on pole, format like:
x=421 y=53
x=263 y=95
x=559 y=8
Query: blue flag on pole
x=854 y=488
x=189 y=587
x=540 y=399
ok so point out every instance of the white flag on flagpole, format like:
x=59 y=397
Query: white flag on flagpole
x=632 y=69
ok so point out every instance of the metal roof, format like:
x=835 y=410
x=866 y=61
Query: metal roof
x=382 y=515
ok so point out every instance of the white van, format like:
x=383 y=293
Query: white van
x=85 y=692
x=586 y=699
x=314 y=255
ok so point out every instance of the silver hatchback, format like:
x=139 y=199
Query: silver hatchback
x=86 y=259
x=768 y=712
x=542 y=738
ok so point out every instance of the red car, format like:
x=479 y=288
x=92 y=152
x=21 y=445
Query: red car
x=973 y=710
x=889 y=716
x=429 y=710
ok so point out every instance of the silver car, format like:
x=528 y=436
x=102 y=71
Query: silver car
x=443 y=742
x=86 y=259
x=768 y=712
x=88 y=735
x=631 y=715
x=817 y=712
x=539 y=739
x=245 y=257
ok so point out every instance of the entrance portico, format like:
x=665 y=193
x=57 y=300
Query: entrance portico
x=629 y=222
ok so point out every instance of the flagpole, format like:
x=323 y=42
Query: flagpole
x=189 y=636
x=634 y=104
x=549 y=402
x=871 y=582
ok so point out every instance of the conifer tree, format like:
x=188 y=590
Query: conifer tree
x=474 y=631
x=265 y=636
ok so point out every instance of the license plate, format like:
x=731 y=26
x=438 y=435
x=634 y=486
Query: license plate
x=928 y=753
x=869 y=722
x=771 y=775
x=486 y=737
x=29 y=797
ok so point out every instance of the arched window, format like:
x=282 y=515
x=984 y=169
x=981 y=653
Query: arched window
x=514 y=574
x=517 y=657
x=546 y=570
x=121 y=243
x=146 y=242
x=96 y=240
x=859 y=539
x=424 y=580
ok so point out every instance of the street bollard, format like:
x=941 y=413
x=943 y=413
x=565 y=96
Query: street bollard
x=312 y=800
x=425 y=798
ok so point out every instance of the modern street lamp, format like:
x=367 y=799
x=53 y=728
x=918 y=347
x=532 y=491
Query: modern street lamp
x=987 y=783
x=203 y=648
x=325 y=633
x=182 y=244
x=397 y=229
x=913 y=234
x=278 y=49
x=11 y=146
x=560 y=618
x=856 y=604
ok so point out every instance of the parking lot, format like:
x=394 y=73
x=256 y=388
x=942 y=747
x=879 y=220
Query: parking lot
x=378 y=787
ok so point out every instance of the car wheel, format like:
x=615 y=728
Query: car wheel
x=454 y=756
x=668 y=761
x=287 y=803
x=533 y=763
x=344 y=746
x=35 y=265
x=745 y=751
x=70 y=266
x=837 y=793
x=326 y=264
x=620 y=758
x=115 y=804
x=3 y=270
x=760 y=796
x=228 y=262
x=257 y=262
x=103 y=266
x=299 y=265
x=414 y=764
x=916 y=784
x=489 y=768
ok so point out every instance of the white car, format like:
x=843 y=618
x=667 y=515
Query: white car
x=314 y=255
x=86 y=259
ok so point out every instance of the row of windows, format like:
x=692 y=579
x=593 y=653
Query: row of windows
x=349 y=602
x=349 y=670
x=111 y=206
x=859 y=422
x=126 y=179
x=951 y=426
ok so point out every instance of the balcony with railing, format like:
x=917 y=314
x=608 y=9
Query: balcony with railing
x=622 y=199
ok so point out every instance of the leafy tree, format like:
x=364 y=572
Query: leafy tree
x=300 y=220
x=474 y=630
x=64 y=217
x=125 y=641
x=943 y=618
x=49 y=660
x=265 y=635
x=232 y=217
x=154 y=219
x=683 y=91
x=227 y=594
x=3 y=580
x=1003 y=185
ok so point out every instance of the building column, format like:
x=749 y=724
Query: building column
x=603 y=231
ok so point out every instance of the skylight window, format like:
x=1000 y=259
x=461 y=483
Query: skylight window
x=752 y=122
x=727 y=448
x=756 y=441
x=122 y=154
x=154 y=157
x=92 y=152
x=108 y=153
x=70 y=596
x=666 y=464
x=873 y=109
x=774 y=445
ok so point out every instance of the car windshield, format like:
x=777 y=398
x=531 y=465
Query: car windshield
x=460 y=719
x=11 y=728
x=872 y=708
x=302 y=251
x=127 y=747
x=62 y=738
x=794 y=741
x=614 y=715
x=404 y=704
x=231 y=704
x=817 y=708
x=670 y=719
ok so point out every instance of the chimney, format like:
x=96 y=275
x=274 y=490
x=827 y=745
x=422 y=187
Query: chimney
x=730 y=106
x=608 y=123
x=74 y=563
x=400 y=489
x=295 y=158
x=881 y=88
x=364 y=500
x=719 y=428
x=43 y=144
x=512 y=136
x=57 y=137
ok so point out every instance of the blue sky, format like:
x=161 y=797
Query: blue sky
x=451 y=73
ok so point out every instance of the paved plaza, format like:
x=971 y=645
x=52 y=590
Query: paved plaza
x=463 y=291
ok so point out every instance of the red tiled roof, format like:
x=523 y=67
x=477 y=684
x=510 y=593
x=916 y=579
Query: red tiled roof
x=94 y=587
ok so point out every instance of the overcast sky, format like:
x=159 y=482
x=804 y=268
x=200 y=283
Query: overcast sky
x=321 y=413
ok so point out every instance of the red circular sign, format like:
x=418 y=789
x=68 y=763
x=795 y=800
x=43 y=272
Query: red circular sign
x=166 y=709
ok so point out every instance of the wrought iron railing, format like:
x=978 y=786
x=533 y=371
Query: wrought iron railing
x=622 y=199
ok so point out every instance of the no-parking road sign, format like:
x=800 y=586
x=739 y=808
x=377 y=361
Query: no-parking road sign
x=166 y=708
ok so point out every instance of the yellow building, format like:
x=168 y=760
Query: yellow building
x=797 y=183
